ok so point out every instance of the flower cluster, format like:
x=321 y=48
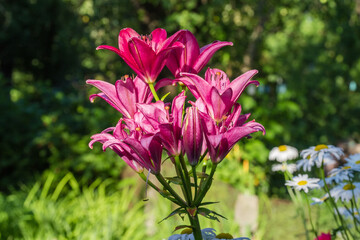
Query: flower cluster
x=335 y=183
x=149 y=127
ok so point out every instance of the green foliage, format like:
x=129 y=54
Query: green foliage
x=306 y=52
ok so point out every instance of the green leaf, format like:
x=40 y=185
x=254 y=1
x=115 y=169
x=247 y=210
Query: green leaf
x=181 y=227
x=179 y=211
x=210 y=214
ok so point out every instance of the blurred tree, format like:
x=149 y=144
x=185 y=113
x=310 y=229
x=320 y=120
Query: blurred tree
x=307 y=53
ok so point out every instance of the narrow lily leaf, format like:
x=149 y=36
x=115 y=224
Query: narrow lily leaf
x=174 y=180
x=181 y=227
x=176 y=211
x=207 y=203
x=210 y=214
x=163 y=97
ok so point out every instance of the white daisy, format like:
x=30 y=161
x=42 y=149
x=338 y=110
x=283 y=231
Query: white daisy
x=283 y=153
x=346 y=191
x=284 y=167
x=303 y=182
x=319 y=154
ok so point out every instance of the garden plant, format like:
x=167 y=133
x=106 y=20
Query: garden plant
x=195 y=135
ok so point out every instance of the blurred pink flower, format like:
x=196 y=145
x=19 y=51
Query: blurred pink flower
x=324 y=236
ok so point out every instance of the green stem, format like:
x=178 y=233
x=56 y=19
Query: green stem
x=206 y=187
x=195 y=224
x=195 y=181
x=187 y=176
x=153 y=91
x=162 y=180
x=184 y=184
x=310 y=218
x=343 y=233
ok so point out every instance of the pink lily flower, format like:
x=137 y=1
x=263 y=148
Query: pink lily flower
x=124 y=95
x=105 y=137
x=191 y=58
x=217 y=95
x=137 y=153
x=193 y=136
x=146 y=55
x=166 y=126
x=221 y=137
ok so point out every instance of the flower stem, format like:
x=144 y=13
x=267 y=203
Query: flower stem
x=153 y=91
x=195 y=181
x=345 y=232
x=194 y=221
x=187 y=177
x=162 y=180
x=206 y=186
x=184 y=185
x=310 y=218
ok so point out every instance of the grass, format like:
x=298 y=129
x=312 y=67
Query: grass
x=61 y=209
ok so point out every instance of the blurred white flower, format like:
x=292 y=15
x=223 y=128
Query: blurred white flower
x=353 y=159
x=346 y=191
x=319 y=154
x=349 y=213
x=303 y=182
x=291 y=168
x=342 y=173
x=283 y=153
x=319 y=200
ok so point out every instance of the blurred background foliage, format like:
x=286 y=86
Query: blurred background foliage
x=307 y=53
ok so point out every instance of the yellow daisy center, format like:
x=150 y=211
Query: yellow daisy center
x=357 y=162
x=187 y=231
x=224 y=236
x=282 y=148
x=346 y=167
x=356 y=213
x=320 y=146
x=302 y=182
x=349 y=186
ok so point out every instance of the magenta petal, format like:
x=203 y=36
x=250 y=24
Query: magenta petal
x=111 y=48
x=154 y=147
x=126 y=94
x=124 y=36
x=207 y=52
x=144 y=57
x=164 y=82
x=143 y=92
x=219 y=105
x=139 y=152
x=240 y=83
x=192 y=136
x=158 y=36
x=161 y=57
x=177 y=110
x=108 y=93
x=197 y=85
x=168 y=139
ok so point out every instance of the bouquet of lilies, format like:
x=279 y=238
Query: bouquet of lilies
x=194 y=135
